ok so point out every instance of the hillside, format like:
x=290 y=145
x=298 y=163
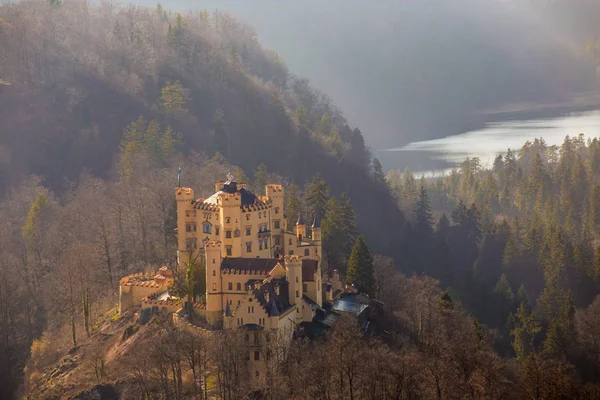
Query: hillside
x=422 y=70
x=75 y=86
x=99 y=106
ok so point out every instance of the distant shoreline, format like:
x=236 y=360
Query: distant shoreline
x=582 y=102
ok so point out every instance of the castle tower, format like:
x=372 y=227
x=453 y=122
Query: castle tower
x=300 y=228
x=316 y=229
x=214 y=291
x=231 y=221
x=184 y=197
x=293 y=273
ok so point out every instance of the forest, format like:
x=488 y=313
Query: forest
x=488 y=278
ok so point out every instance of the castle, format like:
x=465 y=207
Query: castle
x=260 y=275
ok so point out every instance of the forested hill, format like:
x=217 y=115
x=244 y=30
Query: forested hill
x=76 y=74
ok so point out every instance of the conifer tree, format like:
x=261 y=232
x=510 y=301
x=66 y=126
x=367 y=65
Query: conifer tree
x=261 y=175
x=524 y=331
x=360 y=268
x=349 y=223
x=423 y=215
x=317 y=197
x=293 y=205
x=334 y=234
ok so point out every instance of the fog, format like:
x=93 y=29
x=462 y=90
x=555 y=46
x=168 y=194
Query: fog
x=411 y=70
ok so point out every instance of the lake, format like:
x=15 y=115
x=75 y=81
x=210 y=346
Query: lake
x=436 y=157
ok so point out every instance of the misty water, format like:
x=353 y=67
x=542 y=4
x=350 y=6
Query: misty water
x=496 y=138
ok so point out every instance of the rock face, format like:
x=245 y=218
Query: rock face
x=99 y=392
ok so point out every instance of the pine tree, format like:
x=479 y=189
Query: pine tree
x=293 y=205
x=378 y=174
x=349 y=223
x=423 y=215
x=524 y=331
x=261 y=175
x=334 y=235
x=317 y=197
x=360 y=268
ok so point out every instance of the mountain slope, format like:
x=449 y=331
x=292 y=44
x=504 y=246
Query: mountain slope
x=79 y=74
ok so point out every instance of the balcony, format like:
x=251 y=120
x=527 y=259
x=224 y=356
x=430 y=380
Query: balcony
x=264 y=234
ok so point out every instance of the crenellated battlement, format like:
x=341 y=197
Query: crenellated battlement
x=184 y=194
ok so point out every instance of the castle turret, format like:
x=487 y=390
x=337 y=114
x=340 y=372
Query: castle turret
x=214 y=295
x=316 y=229
x=184 y=197
x=293 y=269
x=300 y=228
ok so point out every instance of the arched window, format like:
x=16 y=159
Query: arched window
x=214 y=273
x=217 y=230
x=307 y=252
x=214 y=287
x=227 y=220
x=276 y=210
x=206 y=227
x=247 y=217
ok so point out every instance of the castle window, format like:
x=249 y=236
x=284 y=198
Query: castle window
x=228 y=250
x=277 y=224
x=297 y=294
x=276 y=210
x=297 y=280
x=214 y=287
x=230 y=286
x=206 y=228
x=307 y=252
x=239 y=286
x=217 y=230
x=304 y=287
x=228 y=234
x=255 y=337
x=252 y=308
x=250 y=300
x=188 y=227
x=247 y=217
x=214 y=273
x=248 y=231
x=249 y=247
x=227 y=220
x=290 y=242
x=213 y=260
x=256 y=358
x=248 y=309
x=277 y=240
x=187 y=213
x=236 y=233
x=260 y=244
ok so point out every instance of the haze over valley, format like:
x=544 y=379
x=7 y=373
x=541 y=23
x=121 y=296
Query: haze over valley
x=410 y=71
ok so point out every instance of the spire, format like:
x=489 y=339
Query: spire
x=300 y=220
x=274 y=311
x=317 y=222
